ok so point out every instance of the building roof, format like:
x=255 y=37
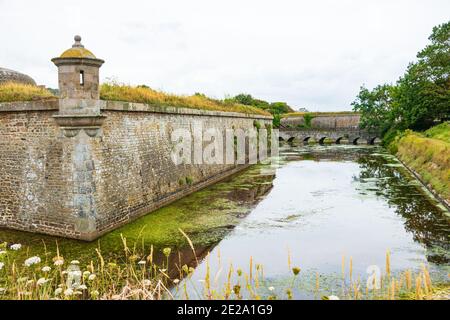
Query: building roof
x=77 y=51
x=7 y=75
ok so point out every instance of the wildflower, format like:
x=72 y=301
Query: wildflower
x=33 y=260
x=68 y=292
x=167 y=251
x=147 y=282
x=46 y=269
x=112 y=265
x=289 y=293
x=92 y=277
x=30 y=282
x=16 y=246
x=271 y=288
x=296 y=270
x=58 y=291
x=78 y=293
x=41 y=281
x=82 y=287
x=64 y=272
x=86 y=274
x=74 y=262
x=2 y=252
x=237 y=289
x=176 y=281
x=95 y=294
x=163 y=270
x=333 y=298
x=185 y=268
x=142 y=263
x=1 y=265
x=2 y=290
x=58 y=261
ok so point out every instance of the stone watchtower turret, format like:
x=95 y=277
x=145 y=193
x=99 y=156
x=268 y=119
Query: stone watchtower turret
x=78 y=78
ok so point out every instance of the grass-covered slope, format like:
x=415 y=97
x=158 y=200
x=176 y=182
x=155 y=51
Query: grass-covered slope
x=429 y=155
x=142 y=94
x=11 y=91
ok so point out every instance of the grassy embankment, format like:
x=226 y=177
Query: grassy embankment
x=118 y=92
x=10 y=92
x=428 y=154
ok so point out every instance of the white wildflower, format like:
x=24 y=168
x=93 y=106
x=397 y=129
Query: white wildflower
x=271 y=288
x=74 y=262
x=2 y=252
x=92 y=277
x=30 y=282
x=46 y=269
x=33 y=260
x=78 y=293
x=59 y=261
x=58 y=291
x=15 y=246
x=176 y=281
x=41 y=281
x=86 y=274
x=1 y=265
x=2 y=290
x=333 y=298
x=142 y=263
x=147 y=282
x=68 y=292
x=82 y=287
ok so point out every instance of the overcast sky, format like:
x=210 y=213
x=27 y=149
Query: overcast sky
x=312 y=54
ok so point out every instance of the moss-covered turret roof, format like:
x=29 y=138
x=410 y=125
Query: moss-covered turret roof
x=77 y=51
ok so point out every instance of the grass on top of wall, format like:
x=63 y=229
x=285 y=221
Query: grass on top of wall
x=143 y=94
x=11 y=92
x=320 y=114
x=429 y=155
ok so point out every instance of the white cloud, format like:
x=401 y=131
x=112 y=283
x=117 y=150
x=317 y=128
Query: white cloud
x=311 y=54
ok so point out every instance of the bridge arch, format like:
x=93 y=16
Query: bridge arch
x=306 y=139
x=322 y=140
x=355 y=140
x=338 y=140
x=280 y=139
x=291 y=139
x=373 y=140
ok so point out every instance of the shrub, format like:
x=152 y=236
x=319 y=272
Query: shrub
x=11 y=91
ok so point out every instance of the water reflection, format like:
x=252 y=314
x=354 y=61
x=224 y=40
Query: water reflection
x=390 y=180
x=333 y=201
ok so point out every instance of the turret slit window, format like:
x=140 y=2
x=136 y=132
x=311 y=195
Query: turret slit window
x=81 y=78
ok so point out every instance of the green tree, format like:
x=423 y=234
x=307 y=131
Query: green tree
x=420 y=97
x=424 y=91
x=376 y=107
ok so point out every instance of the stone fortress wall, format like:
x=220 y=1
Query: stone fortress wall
x=336 y=121
x=82 y=186
x=78 y=167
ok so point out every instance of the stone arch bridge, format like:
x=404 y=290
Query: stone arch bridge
x=318 y=126
x=336 y=135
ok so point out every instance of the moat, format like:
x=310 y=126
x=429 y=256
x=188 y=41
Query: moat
x=317 y=205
